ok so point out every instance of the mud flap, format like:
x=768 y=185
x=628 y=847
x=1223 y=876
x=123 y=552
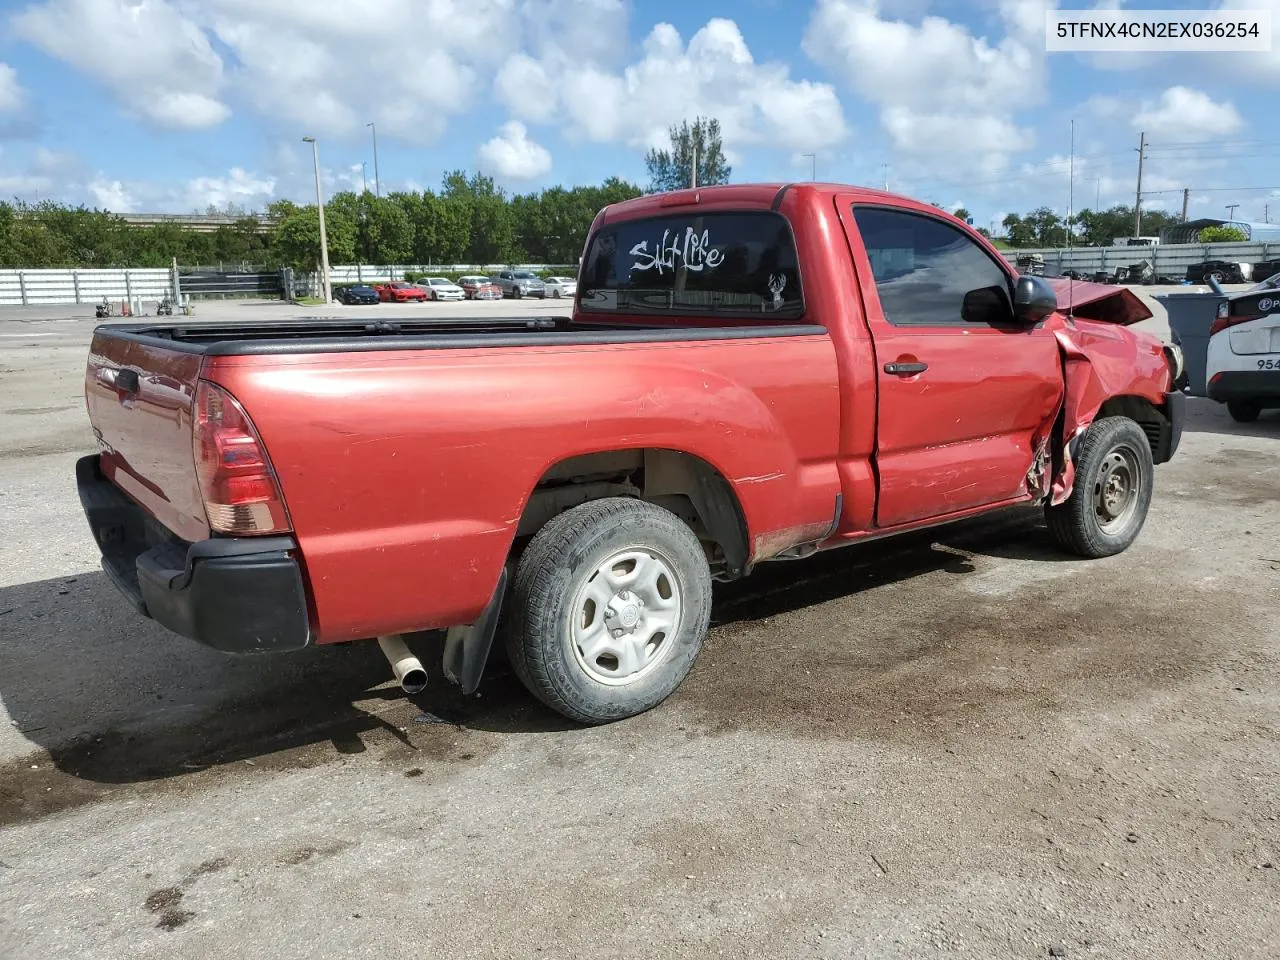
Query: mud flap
x=466 y=648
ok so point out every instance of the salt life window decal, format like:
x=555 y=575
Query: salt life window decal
x=722 y=264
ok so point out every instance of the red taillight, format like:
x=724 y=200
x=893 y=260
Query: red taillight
x=1222 y=323
x=1223 y=319
x=241 y=494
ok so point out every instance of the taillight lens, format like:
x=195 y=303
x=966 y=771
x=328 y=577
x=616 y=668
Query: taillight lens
x=1222 y=322
x=241 y=494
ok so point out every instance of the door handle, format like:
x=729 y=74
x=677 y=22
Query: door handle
x=904 y=369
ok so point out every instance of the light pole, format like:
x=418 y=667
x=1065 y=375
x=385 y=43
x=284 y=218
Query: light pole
x=377 y=180
x=813 y=158
x=324 y=240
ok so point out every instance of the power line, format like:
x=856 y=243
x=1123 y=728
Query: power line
x=1149 y=193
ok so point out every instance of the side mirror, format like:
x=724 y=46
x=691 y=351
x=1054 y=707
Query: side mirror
x=986 y=305
x=1033 y=300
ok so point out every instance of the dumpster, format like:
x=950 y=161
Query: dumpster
x=1190 y=315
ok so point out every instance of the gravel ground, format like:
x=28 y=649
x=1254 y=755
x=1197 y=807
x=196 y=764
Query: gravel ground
x=959 y=742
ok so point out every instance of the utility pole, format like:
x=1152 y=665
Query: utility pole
x=693 y=167
x=1071 y=182
x=1137 y=206
x=1231 y=210
x=886 y=178
x=324 y=241
x=377 y=180
x=813 y=157
x=364 y=180
x=1266 y=213
x=1186 y=197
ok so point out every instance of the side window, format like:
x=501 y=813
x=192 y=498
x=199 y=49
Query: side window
x=929 y=274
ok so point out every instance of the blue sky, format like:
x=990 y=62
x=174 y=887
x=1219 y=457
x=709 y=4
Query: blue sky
x=170 y=105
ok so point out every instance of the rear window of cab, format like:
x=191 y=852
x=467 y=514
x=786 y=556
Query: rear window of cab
x=722 y=264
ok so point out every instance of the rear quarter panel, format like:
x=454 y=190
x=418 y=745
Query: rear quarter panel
x=406 y=473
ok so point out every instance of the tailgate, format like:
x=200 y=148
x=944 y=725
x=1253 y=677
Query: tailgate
x=140 y=398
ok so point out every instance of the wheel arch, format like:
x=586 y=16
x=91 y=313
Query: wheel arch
x=1155 y=423
x=689 y=485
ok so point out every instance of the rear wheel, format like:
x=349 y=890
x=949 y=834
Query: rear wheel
x=515 y=293
x=1244 y=411
x=609 y=609
x=1113 y=484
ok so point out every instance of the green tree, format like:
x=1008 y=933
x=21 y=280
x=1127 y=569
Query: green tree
x=961 y=213
x=1221 y=235
x=1019 y=232
x=297 y=239
x=670 y=169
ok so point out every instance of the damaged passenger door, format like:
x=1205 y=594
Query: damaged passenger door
x=966 y=393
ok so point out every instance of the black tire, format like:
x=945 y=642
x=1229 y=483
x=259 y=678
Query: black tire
x=1087 y=524
x=1244 y=411
x=515 y=293
x=556 y=572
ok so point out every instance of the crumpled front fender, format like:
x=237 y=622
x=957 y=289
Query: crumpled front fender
x=1101 y=361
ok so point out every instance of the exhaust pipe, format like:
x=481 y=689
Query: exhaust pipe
x=407 y=668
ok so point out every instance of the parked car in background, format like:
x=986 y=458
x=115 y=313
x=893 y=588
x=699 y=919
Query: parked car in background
x=1224 y=271
x=1266 y=269
x=357 y=293
x=561 y=286
x=480 y=288
x=441 y=288
x=520 y=283
x=1243 y=364
x=400 y=292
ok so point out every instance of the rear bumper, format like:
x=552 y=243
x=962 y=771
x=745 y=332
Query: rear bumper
x=235 y=594
x=1260 y=385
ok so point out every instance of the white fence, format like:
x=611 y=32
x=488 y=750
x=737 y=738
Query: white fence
x=23 y=287
x=1169 y=260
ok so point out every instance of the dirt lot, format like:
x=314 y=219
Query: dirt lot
x=954 y=743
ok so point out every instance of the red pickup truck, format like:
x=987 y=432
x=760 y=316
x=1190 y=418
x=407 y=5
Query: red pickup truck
x=750 y=373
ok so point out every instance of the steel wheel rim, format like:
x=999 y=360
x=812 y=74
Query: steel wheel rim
x=625 y=616
x=1117 y=489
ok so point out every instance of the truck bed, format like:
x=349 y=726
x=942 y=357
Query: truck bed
x=447 y=333
x=406 y=451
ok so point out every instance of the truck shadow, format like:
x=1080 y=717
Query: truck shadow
x=114 y=699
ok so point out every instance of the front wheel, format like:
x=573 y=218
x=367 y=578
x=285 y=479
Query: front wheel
x=609 y=609
x=1114 y=479
x=1244 y=411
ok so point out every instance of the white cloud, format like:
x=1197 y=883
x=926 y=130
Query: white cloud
x=524 y=86
x=512 y=155
x=11 y=95
x=158 y=62
x=1263 y=66
x=326 y=66
x=410 y=66
x=1184 y=114
x=941 y=90
x=111 y=195
x=238 y=187
x=714 y=75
